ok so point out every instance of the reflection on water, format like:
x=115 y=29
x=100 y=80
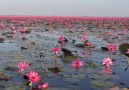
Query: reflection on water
x=35 y=48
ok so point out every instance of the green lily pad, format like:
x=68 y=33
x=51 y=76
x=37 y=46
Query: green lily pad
x=127 y=59
x=55 y=69
x=15 y=88
x=68 y=59
x=95 y=87
x=124 y=46
x=101 y=77
x=4 y=77
x=24 y=38
x=91 y=64
x=102 y=84
x=90 y=47
x=9 y=35
x=86 y=42
x=91 y=71
x=60 y=75
x=68 y=69
x=78 y=75
x=50 y=75
x=28 y=31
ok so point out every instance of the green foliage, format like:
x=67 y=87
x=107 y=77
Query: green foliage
x=124 y=46
x=68 y=59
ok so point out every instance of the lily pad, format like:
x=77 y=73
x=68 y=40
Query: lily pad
x=91 y=64
x=96 y=87
x=28 y=31
x=90 y=47
x=124 y=46
x=101 y=77
x=15 y=88
x=91 y=71
x=55 y=69
x=4 y=77
x=24 y=38
x=11 y=67
x=9 y=35
x=127 y=60
x=86 y=42
x=102 y=84
x=68 y=59
x=67 y=69
x=78 y=76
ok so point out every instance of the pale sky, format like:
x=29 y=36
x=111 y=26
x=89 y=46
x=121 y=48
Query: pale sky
x=65 y=7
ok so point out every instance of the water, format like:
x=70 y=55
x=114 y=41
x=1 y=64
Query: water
x=69 y=78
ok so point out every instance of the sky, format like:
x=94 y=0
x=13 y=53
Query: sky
x=118 y=8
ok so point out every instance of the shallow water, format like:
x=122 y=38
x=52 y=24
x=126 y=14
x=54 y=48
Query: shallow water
x=68 y=78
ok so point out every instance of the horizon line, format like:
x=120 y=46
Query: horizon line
x=61 y=16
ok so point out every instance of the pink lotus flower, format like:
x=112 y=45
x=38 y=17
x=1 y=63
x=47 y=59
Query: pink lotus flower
x=84 y=33
x=112 y=47
x=127 y=51
x=61 y=38
x=23 y=30
x=14 y=31
x=123 y=33
x=34 y=77
x=56 y=50
x=84 y=38
x=90 y=44
x=110 y=33
x=98 y=36
x=107 y=62
x=77 y=63
x=22 y=66
x=115 y=47
x=43 y=86
x=23 y=36
x=115 y=35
